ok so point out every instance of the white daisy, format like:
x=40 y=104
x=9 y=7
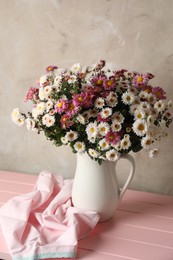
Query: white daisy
x=168 y=115
x=57 y=80
x=71 y=135
x=136 y=100
x=103 y=128
x=145 y=106
x=112 y=155
x=48 y=120
x=43 y=80
x=99 y=102
x=30 y=124
x=153 y=152
x=103 y=144
x=92 y=130
x=35 y=113
x=106 y=112
x=125 y=143
x=79 y=147
x=111 y=101
x=116 y=127
x=93 y=153
x=75 y=68
x=80 y=119
x=169 y=104
x=139 y=114
x=64 y=140
x=143 y=95
x=118 y=117
x=132 y=90
x=48 y=105
x=133 y=109
x=40 y=108
x=140 y=127
x=15 y=114
x=151 y=99
x=47 y=90
x=128 y=98
x=72 y=79
x=159 y=106
x=146 y=142
x=41 y=94
x=92 y=139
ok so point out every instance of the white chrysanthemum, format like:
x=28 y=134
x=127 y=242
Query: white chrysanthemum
x=40 y=108
x=115 y=126
x=41 y=94
x=71 y=135
x=43 y=80
x=48 y=120
x=103 y=144
x=125 y=143
x=111 y=101
x=92 y=139
x=145 y=106
x=159 y=106
x=106 y=112
x=146 y=142
x=151 y=99
x=93 y=153
x=47 y=90
x=30 y=124
x=99 y=102
x=92 y=130
x=153 y=152
x=118 y=117
x=57 y=80
x=15 y=114
x=132 y=90
x=140 y=127
x=79 y=147
x=48 y=105
x=136 y=101
x=128 y=98
x=169 y=104
x=17 y=117
x=80 y=119
x=133 y=109
x=72 y=79
x=75 y=68
x=103 y=128
x=35 y=113
x=64 y=140
x=112 y=155
x=139 y=114
x=168 y=115
x=143 y=95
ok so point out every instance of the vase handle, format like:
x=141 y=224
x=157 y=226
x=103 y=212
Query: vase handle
x=131 y=173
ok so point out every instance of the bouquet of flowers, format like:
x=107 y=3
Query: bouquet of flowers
x=96 y=110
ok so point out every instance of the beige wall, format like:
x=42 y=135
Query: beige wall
x=132 y=34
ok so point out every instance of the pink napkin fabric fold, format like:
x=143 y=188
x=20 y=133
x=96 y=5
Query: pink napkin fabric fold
x=43 y=223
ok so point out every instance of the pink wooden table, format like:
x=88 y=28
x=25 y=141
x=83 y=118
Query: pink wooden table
x=141 y=229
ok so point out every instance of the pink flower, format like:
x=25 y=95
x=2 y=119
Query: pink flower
x=120 y=73
x=109 y=84
x=98 y=80
x=140 y=80
x=51 y=68
x=159 y=93
x=31 y=93
x=147 y=88
x=66 y=121
x=78 y=99
x=112 y=137
x=101 y=119
x=72 y=108
x=61 y=105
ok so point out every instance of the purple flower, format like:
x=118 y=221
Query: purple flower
x=159 y=93
x=31 y=93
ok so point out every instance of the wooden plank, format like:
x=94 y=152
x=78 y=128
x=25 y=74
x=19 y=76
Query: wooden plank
x=125 y=248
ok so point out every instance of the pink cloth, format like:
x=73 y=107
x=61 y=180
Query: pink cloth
x=44 y=224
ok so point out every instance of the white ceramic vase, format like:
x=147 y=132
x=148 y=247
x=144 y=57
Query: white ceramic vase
x=96 y=187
